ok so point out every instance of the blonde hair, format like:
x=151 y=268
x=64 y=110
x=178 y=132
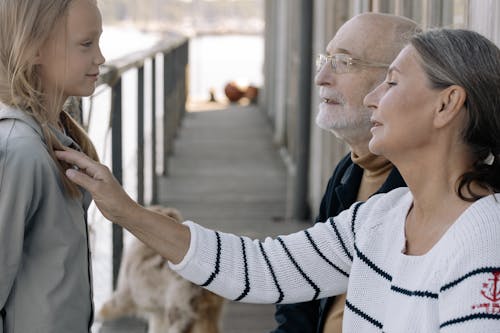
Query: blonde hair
x=25 y=25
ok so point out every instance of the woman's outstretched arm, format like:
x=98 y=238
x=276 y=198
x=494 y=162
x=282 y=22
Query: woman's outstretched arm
x=306 y=265
x=166 y=236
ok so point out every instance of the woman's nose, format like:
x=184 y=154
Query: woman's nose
x=372 y=98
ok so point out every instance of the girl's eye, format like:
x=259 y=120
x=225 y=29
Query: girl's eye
x=86 y=44
x=391 y=83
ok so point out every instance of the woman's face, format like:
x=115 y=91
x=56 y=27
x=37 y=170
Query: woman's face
x=403 y=107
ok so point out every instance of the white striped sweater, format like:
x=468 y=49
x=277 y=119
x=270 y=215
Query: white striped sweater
x=455 y=287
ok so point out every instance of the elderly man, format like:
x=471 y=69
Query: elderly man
x=355 y=62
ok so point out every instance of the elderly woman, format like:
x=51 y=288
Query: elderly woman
x=424 y=258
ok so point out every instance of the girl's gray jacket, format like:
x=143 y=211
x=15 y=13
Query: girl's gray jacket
x=45 y=277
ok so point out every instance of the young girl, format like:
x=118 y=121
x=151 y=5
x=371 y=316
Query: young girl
x=49 y=51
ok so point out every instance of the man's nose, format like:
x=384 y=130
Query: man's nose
x=324 y=75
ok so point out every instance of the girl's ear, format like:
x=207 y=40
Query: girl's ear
x=451 y=102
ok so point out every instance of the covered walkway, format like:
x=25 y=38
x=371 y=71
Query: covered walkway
x=225 y=173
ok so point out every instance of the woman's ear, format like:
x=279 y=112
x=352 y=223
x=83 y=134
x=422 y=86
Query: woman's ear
x=451 y=102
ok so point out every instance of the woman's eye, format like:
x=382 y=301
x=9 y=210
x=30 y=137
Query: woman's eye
x=86 y=44
x=391 y=83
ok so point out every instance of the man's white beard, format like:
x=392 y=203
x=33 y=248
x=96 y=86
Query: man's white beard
x=348 y=129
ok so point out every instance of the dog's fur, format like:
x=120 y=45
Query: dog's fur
x=149 y=289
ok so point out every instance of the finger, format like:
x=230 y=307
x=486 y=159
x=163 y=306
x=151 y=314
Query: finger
x=81 y=179
x=75 y=157
x=79 y=159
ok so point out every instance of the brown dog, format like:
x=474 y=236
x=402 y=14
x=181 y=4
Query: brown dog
x=149 y=289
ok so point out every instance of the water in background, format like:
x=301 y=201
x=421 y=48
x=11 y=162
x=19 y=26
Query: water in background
x=213 y=62
x=217 y=60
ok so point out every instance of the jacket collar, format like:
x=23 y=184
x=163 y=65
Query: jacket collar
x=347 y=190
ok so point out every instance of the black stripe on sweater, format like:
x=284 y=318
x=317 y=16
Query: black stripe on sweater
x=332 y=223
x=470 y=317
x=247 y=281
x=472 y=273
x=217 y=262
x=354 y=215
x=323 y=256
x=417 y=293
x=304 y=275
x=370 y=264
x=280 y=298
x=363 y=315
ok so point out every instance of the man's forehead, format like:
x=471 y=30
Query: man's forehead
x=335 y=50
x=348 y=46
x=358 y=39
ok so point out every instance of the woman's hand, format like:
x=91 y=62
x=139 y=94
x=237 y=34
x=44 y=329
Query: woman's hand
x=109 y=196
x=168 y=237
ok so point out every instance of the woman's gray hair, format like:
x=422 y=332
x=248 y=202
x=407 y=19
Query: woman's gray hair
x=471 y=61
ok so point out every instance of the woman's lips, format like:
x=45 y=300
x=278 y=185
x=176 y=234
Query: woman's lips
x=375 y=124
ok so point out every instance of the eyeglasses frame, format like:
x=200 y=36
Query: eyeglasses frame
x=351 y=61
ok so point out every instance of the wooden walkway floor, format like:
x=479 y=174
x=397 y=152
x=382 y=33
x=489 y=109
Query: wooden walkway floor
x=226 y=174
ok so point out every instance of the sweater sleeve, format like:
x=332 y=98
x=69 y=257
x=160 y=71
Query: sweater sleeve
x=303 y=266
x=469 y=298
x=304 y=316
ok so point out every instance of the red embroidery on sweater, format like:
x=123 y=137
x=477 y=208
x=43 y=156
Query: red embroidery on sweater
x=491 y=291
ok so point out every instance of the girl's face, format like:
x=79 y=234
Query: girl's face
x=69 y=60
x=403 y=108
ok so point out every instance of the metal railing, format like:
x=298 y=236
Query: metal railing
x=173 y=53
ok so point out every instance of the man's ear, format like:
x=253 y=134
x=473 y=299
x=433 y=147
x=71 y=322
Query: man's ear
x=451 y=102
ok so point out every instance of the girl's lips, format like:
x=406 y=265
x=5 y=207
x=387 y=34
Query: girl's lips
x=93 y=76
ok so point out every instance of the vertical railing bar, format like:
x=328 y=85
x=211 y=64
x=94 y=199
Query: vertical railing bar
x=140 y=135
x=166 y=134
x=174 y=92
x=172 y=116
x=116 y=160
x=184 y=75
x=154 y=185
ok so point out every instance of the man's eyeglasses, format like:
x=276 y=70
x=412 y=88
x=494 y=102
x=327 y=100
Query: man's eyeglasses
x=341 y=63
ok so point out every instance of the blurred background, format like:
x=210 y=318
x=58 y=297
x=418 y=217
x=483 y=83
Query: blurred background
x=225 y=37
x=168 y=60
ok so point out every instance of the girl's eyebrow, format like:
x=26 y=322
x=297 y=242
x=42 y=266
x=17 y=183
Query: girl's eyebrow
x=91 y=33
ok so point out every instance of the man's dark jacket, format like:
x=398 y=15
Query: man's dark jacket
x=341 y=193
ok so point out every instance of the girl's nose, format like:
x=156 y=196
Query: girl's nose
x=100 y=58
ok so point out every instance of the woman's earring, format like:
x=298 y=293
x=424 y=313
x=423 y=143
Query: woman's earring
x=489 y=159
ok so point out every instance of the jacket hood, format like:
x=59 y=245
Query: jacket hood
x=10 y=112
